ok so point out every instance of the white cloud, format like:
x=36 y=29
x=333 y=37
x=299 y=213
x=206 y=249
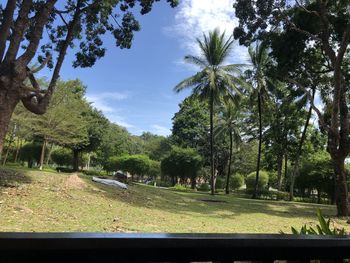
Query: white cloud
x=160 y=130
x=115 y=118
x=195 y=17
x=104 y=102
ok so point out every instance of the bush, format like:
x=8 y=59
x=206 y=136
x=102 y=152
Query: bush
x=272 y=195
x=163 y=183
x=204 y=187
x=64 y=170
x=111 y=164
x=62 y=157
x=282 y=196
x=30 y=153
x=93 y=172
x=179 y=187
x=273 y=179
x=220 y=183
x=236 y=181
x=262 y=183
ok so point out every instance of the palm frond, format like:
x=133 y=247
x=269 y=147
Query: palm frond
x=190 y=82
x=197 y=61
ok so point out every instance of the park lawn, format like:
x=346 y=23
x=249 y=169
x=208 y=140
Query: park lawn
x=56 y=202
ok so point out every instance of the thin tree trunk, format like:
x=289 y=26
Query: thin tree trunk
x=42 y=156
x=18 y=149
x=9 y=146
x=8 y=102
x=285 y=166
x=212 y=169
x=48 y=157
x=319 y=196
x=88 y=162
x=229 y=166
x=193 y=183
x=295 y=171
x=279 y=172
x=255 y=194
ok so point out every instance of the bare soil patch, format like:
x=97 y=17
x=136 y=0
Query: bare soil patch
x=74 y=182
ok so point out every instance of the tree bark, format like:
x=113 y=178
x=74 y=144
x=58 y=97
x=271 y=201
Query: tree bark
x=227 y=190
x=49 y=154
x=285 y=166
x=279 y=172
x=295 y=171
x=18 y=149
x=8 y=102
x=88 y=162
x=212 y=168
x=75 y=160
x=9 y=145
x=42 y=155
x=193 y=183
x=255 y=194
x=341 y=187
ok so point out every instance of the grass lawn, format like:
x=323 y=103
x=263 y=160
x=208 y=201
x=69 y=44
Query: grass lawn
x=48 y=201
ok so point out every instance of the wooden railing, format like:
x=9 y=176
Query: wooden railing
x=100 y=247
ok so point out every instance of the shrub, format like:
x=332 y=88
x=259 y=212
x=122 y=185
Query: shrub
x=181 y=162
x=179 y=187
x=92 y=172
x=236 y=181
x=163 y=183
x=272 y=195
x=30 y=153
x=322 y=228
x=204 y=187
x=273 y=179
x=282 y=195
x=220 y=183
x=111 y=164
x=62 y=157
x=64 y=170
x=262 y=183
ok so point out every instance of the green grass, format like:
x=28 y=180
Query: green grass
x=46 y=201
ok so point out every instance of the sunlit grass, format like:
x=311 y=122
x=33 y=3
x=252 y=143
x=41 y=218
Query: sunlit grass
x=42 y=201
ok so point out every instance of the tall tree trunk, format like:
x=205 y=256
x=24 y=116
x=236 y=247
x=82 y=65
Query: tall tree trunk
x=295 y=171
x=255 y=194
x=285 y=166
x=88 y=162
x=341 y=186
x=193 y=183
x=18 y=149
x=9 y=145
x=8 y=148
x=48 y=157
x=212 y=168
x=42 y=155
x=8 y=102
x=279 y=172
x=319 y=196
x=227 y=191
x=75 y=160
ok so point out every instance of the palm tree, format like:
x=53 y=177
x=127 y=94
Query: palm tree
x=214 y=80
x=228 y=125
x=260 y=61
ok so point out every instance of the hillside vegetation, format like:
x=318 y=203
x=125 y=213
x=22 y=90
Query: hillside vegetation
x=47 y=201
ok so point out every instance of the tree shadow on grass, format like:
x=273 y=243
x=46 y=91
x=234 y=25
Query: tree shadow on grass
x=196 y=203
x=13 y=178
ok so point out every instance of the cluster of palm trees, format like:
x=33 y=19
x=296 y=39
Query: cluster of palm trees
x=223 y=86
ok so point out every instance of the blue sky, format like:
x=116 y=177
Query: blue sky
x=134 y=88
